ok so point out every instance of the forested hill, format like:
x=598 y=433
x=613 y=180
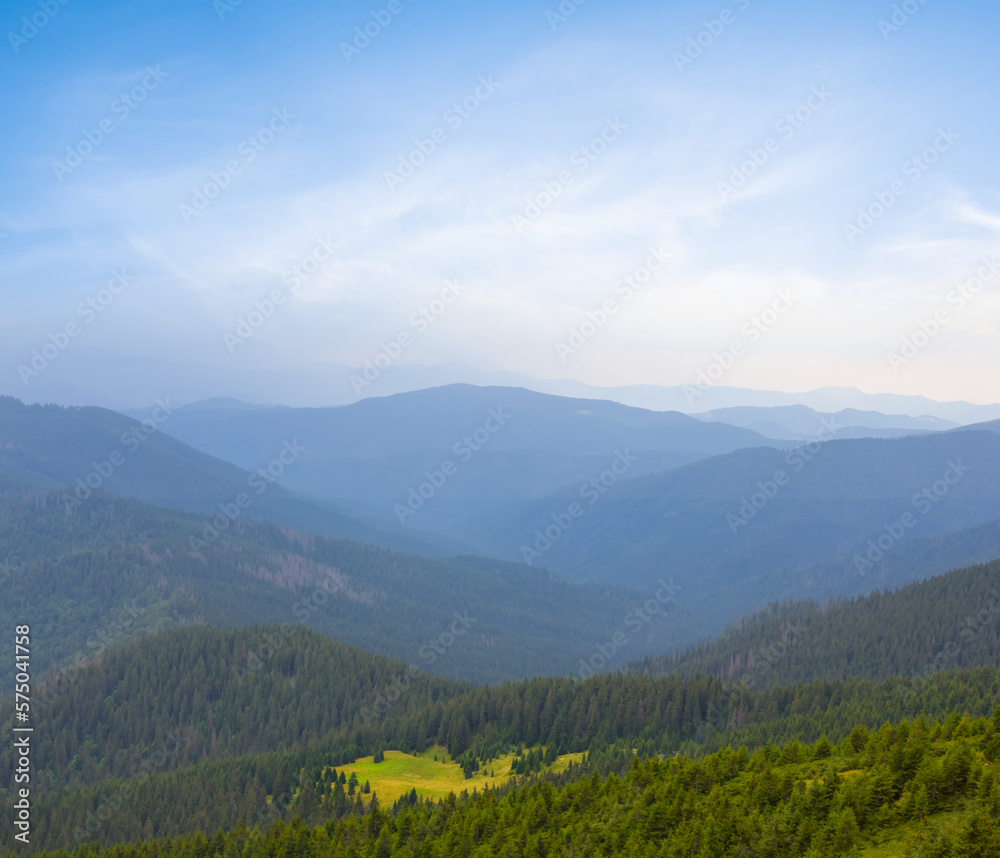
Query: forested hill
x=950 y=620
x=113 y=568
x=84 y=449
x=915 y=789
x=227 y=693
x=195 y=727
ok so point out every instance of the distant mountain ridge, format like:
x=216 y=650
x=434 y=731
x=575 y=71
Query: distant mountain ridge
x=432 y=458
x=88 y=449
x=757 y=525
x=802 y=423
x=114 y=381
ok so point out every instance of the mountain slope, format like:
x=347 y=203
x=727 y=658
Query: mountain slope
x=503 y=445
x=92 y=448
x=948 y=621
x=758 y=525
x=802 y=423
x=920 y=788
x=115 y=568
x=160 y=753
x=247 y=691
x=127 y=381
x=988 y=426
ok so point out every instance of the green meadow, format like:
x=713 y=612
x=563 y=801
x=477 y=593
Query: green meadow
x=400 y=773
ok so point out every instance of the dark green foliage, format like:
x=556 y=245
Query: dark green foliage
x=948 y=621
x=177 y=728
x=114 y=568
x=730 y=803
x=223 y=693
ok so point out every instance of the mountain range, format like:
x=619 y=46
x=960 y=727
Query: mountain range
x=588 y=489
x=599 y=491
x=122 y=382
x=543 y=610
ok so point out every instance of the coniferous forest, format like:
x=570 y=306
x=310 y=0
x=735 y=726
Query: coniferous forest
x=537 y=429
x=169 y=725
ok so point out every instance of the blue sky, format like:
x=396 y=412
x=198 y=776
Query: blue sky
x=540 y=87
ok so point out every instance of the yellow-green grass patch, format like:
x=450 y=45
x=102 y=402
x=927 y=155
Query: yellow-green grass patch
x=400 y=773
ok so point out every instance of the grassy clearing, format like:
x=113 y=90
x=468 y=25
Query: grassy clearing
x=399 y=773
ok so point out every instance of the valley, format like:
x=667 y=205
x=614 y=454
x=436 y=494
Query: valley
x=230 y=650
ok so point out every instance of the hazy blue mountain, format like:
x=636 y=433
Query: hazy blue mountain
x=503 y=445
x=988 y=426
x=100 y=377
x=93 y=448
x=801 y=423
x=725 y=527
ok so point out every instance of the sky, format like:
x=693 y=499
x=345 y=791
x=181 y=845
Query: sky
x=779 y=196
